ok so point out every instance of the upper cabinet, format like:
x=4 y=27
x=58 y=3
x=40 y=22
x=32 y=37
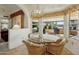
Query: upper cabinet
x=17 y=18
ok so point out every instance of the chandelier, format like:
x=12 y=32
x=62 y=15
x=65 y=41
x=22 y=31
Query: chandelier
x=37 y=12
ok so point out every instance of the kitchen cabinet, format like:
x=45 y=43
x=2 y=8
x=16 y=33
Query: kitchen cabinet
x=4 y=35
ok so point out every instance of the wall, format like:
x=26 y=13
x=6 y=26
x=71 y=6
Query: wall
x=27 y=17
x=16 y=36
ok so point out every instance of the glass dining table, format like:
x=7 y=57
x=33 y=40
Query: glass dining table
x=46 y=39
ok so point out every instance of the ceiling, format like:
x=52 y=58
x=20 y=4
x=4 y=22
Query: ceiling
x=7 y=9
x=46 y=8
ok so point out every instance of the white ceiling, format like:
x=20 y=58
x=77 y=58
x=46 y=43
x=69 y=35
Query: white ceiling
x=46 y=8
x=6 y=9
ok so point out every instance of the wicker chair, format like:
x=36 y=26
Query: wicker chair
x=56 y=47
x=34 y=48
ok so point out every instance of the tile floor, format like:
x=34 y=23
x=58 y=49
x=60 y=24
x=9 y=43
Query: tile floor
x=22 y=50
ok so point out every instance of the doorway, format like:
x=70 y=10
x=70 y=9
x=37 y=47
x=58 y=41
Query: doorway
x=4 y=27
